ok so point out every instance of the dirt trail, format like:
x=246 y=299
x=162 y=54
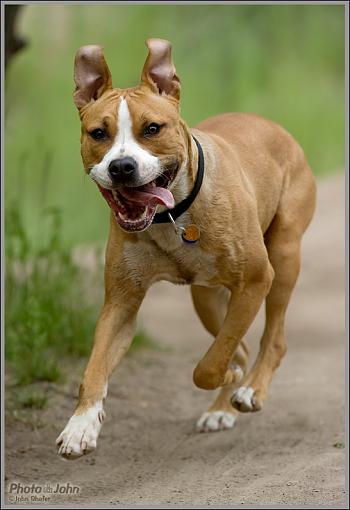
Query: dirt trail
x=149 y=452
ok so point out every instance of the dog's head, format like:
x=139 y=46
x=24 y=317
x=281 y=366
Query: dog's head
x=132 y=141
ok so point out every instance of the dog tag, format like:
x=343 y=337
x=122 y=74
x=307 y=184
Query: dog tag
x=191 y=234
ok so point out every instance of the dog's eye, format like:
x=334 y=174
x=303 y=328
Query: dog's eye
x=98 y=134
x=152 y=129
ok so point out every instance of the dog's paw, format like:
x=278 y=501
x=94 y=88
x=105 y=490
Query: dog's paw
x=80 y=435
x=215 y=420
x=245 y=400
x=237 y=372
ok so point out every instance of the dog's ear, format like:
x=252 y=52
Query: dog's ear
x=159 y=72
x=91 y=75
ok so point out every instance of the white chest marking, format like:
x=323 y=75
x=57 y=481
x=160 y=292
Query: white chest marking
x=148 y=264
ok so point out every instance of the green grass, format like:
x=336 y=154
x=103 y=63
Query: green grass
x=32 y=399
x=49 y=316
x=46 y=314
x=285 y=62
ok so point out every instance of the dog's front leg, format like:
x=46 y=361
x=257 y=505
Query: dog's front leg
x=213 y=369
x=114 y=333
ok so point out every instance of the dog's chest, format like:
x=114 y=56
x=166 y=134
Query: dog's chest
x=167 y=257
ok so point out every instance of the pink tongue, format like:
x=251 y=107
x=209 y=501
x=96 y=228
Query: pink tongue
x=150 y=195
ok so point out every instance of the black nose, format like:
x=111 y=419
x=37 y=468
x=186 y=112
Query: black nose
x=122 y=169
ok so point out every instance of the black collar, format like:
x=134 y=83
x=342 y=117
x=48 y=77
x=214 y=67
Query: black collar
x=182 y=206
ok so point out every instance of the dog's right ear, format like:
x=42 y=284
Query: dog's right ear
x=91 y=75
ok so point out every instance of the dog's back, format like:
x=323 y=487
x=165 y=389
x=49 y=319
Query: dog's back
x=269 y=157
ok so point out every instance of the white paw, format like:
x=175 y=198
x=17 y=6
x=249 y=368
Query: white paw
x=238 y=372
x=244 y=400
x=81 y=432
x=215 y=421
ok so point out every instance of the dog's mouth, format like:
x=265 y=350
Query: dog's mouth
x=134 y=207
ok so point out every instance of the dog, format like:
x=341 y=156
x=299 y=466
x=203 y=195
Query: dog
x=222 y=208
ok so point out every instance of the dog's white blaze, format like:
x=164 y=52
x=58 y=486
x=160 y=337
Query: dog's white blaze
x=81 y=432
x=125 y=135
x=126 y=145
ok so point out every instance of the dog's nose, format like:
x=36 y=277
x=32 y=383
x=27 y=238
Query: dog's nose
x=122 y=168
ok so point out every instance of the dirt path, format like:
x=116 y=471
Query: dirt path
x=148 y=451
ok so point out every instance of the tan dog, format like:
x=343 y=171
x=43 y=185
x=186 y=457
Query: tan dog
x=255 y=202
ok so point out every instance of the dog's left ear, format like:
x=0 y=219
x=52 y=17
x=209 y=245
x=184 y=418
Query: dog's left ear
x=91 y=75
x=159 y=72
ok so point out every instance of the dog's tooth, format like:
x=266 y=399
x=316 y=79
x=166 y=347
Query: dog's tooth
x=122 y=216
x=125 y=218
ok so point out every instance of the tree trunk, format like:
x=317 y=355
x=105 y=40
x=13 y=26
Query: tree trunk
x=13 y=41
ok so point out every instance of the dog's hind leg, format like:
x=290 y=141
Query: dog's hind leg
x=211 y=305
x=283 y=241
x=285 y=257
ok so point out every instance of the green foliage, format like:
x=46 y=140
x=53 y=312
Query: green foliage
x=32 y=399
x=46 y=314
x=285 y=62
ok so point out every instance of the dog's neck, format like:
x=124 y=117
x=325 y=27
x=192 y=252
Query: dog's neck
x=187 y=172
x=164 y=235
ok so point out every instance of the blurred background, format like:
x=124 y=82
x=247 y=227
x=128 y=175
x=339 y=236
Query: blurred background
x=285 y=62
